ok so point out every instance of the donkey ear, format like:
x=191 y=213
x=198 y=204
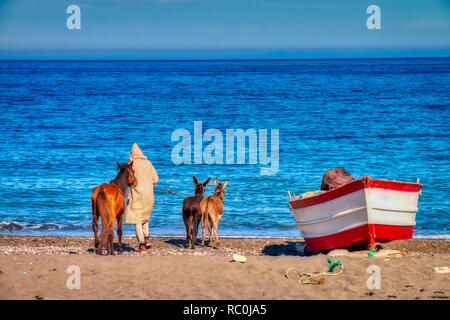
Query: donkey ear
x=119 y=165
x=206 y=182
x=216 y=182
x=195 y=180
x=225 y=183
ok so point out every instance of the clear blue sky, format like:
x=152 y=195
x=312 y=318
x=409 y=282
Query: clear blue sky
x=215 y=29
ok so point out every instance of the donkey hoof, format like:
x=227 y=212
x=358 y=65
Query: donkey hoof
x=102 y=253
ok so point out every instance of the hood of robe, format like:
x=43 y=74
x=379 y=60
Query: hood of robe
x=136 y=153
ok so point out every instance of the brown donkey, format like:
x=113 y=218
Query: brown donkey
x=108 y=202
x=212 y=211
x=192 y=213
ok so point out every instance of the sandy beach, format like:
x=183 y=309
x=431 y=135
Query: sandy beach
x=34 y=267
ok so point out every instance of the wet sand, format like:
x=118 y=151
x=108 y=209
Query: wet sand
x=35 y=267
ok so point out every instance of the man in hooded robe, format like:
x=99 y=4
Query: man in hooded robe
x=141 y=198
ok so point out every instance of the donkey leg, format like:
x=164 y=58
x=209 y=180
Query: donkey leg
x=119 y=233
x=203 y=229
x=194 y=231
x=217 y=242
x=186 y=226
x=95 y=222
x=216 y=233
x=208 y=223
x=111 y=243
x=95 y=228
x=111 y=238
x=211 y=232
x=189 y=232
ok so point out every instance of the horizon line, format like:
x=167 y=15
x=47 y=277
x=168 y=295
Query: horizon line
x=215 y=60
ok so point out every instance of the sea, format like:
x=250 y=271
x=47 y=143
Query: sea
x=65 y=124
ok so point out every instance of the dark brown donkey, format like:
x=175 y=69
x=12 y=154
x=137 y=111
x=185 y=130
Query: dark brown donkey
x=212 y=211
x=192 y=213
x=108 y=202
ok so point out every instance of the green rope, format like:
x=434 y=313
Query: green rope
x=305 y=277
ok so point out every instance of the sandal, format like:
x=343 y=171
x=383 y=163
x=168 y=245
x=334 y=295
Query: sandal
x=148 y=244
x=141 y=248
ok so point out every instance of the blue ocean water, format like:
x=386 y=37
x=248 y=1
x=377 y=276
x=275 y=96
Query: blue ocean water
x=65 y=124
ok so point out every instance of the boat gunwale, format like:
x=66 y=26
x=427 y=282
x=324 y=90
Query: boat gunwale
x=363 y=183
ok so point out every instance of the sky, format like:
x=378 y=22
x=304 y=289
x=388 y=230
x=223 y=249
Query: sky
x=223 y=29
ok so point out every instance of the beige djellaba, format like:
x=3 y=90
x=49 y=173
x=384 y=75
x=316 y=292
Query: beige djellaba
x=141 y=198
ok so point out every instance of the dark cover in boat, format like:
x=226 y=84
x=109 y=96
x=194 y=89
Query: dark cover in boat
x=334 y=178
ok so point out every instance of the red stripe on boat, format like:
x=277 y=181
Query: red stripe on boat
x=339 y=240
x=329 y=195
x=386 y=233
x=395 y=185
x=383 y=233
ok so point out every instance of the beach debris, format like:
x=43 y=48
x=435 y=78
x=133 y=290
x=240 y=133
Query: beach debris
x=395 y=253
x=386 y=253
x=338 y=253
x=318 y=281
x=239 y=258
x=441 y=270
x=439 y=295
x=300 y=247
x=308 y=194
x=38 y=297
x=333 y=264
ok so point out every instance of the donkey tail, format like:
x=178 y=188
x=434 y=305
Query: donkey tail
x=105 y=215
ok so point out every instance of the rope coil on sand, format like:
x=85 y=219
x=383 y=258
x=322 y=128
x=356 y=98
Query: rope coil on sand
x=307 y=277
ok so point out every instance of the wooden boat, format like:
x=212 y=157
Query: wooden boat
x=365 y=210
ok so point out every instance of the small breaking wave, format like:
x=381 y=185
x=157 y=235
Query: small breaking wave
x=432 y=237
x=24 y=226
